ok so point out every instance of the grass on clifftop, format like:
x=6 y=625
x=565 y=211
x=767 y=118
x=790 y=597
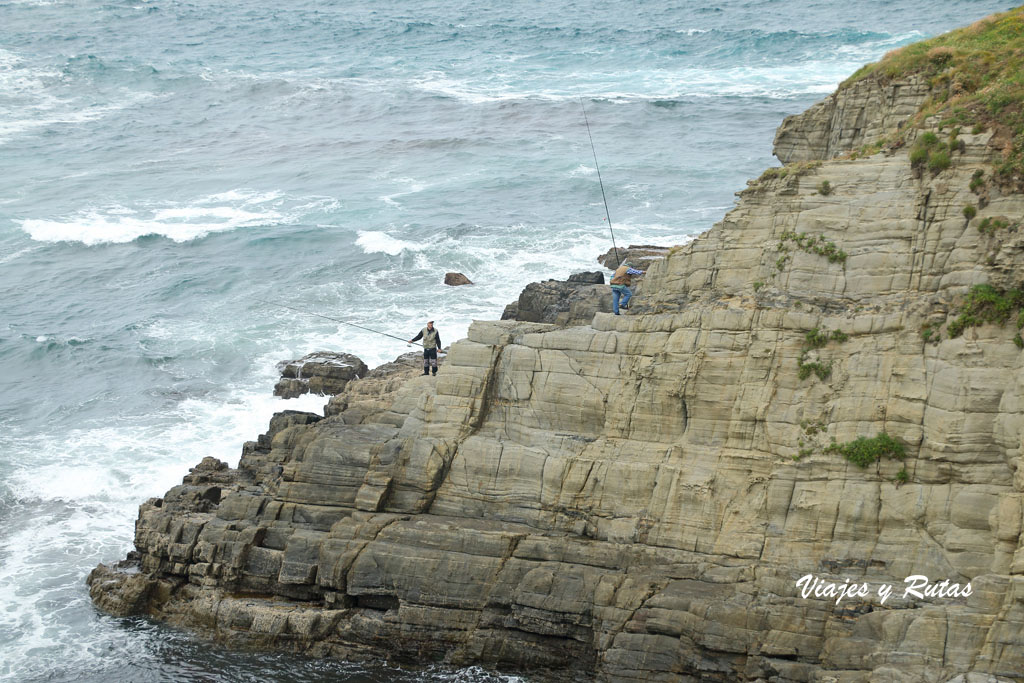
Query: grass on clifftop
x=976 y=75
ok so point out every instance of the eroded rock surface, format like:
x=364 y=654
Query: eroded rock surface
x=636 y=497
x=323 y=372
x=849 y=118
x=561 y=302
x=639 y=255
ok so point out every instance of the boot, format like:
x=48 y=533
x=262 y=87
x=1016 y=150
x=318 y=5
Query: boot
x=425 y=371
x=434 y=370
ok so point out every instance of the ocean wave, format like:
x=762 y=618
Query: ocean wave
x=220 y=212
x=659 y=86
x=7 y=258
x=180 y=225
x=38 y=98
x=377 y=242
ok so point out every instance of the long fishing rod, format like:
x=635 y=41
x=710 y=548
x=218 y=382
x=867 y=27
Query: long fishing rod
x=601 y=182
x=343 y=322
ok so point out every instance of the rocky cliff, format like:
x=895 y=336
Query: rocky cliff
x=638 y=497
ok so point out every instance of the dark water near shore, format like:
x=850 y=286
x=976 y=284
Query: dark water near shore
x=164 y=164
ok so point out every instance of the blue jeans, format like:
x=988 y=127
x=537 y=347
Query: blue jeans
x=620 y=291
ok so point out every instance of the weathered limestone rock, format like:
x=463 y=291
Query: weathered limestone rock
x=636 y=497
x=572 y=302
x=373 y=395
x=849 y=118
x=593 y=277
x=322 y=372
x=456 y=279
x=640 y=255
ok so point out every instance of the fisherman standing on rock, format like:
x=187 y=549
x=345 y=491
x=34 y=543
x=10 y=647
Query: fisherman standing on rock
x=620 y=283
x=431 y=343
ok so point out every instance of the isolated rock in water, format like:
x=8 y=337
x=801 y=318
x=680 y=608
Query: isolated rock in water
x=639 y=255
x=323 y=372
x=592 y=277
x=560 y=303
x=456 y=279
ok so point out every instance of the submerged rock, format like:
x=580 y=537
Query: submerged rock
x=322 y=372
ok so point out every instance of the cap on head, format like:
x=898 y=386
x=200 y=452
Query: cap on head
x=430 y=322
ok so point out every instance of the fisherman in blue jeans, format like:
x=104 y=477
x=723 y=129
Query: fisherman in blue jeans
x=621 y=281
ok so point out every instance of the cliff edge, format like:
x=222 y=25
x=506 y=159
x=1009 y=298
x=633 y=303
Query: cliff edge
x=826 y=384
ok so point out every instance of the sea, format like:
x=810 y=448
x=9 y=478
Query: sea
x=168 y=167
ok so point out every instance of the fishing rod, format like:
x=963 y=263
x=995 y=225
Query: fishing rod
x=601 y=182
x=343 y=322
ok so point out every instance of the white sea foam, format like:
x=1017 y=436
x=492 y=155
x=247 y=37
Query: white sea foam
x=95 y=228
x=213 y=213
x=375 y=241
x=582 y=170
x=31 y=101
x=781 y=81
x=74 y=495
x=412 y=186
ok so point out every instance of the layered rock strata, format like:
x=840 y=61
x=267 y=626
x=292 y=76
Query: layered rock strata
x=636 y=498
x=639 y=255
x=322 y=372
x=849 y=118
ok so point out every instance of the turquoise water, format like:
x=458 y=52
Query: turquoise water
x=164 y=165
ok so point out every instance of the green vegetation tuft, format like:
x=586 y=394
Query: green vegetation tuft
x=816 y=339
x=918 y=156
x=977 y=77
x=989 y=225
x=902 y=477
x=928 y=150
x=758 y=285
x=977 y=180
x=811 y=428
x=939 y=161
x=970 y=211
x=824 y=188
x=814 y=245
x=986 y=304
x=822 y=370
x=864 y=451
x=796 y=169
